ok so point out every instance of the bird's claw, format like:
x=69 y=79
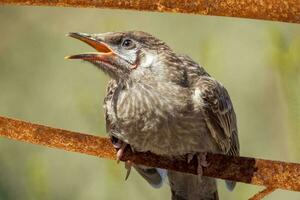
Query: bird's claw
x=120 y=151
x=201 y=161
x=190 y=157
x=121 y=146
x=128 y=166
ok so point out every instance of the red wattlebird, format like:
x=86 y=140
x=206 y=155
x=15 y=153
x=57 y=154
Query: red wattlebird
x=165 y=103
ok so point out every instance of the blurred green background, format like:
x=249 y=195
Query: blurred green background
x=258 y=62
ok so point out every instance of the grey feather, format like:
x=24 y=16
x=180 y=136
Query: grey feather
x=167 y=104
x=192 y=187
x=155 y=177
x=230 y=185
x=220 y=117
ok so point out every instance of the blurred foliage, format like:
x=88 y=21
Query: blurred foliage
x=257 y=61
x=285 y=61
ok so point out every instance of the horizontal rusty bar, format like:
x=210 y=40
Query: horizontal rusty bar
x=276 y=10
x=272 y=174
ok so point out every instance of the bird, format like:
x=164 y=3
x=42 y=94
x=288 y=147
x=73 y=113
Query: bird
x=163 y=102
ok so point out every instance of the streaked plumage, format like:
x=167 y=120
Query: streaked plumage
x=168 y=104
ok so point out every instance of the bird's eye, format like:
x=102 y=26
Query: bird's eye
x=128 y=44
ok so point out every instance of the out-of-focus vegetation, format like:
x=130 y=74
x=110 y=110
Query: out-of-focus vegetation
x=258 y=62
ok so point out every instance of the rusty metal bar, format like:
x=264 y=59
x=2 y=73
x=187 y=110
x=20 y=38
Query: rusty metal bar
x=276 y=10
x=260 y=195
x=272 y=174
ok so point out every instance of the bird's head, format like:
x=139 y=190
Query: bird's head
x=123 y=55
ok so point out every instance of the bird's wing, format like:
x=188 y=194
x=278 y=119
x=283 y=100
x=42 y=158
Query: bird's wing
x=111 y=87
x=219 y=114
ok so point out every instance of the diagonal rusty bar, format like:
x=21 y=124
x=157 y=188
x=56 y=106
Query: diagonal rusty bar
x=272 y=174
x=262 y=194
x=276 y=10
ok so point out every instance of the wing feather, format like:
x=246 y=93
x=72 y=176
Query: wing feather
x=219 y=114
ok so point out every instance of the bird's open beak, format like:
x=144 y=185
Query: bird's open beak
x=103 y=49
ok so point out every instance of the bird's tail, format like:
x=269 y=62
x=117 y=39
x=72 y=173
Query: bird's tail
x=192 y=187
x=230 y=185
x=154 y=176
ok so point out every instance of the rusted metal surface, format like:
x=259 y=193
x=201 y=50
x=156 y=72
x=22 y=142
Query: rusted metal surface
x=263 y=193
x=272 y=174
x=56 y=138
x=277 y=10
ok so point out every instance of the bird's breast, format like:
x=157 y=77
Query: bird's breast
x=159 y=118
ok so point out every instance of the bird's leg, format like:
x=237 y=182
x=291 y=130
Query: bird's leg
x=128 y=163
x=121 y=146
x=120 y=151
x=190 y=157
x=117 y=143
x=201 y=161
